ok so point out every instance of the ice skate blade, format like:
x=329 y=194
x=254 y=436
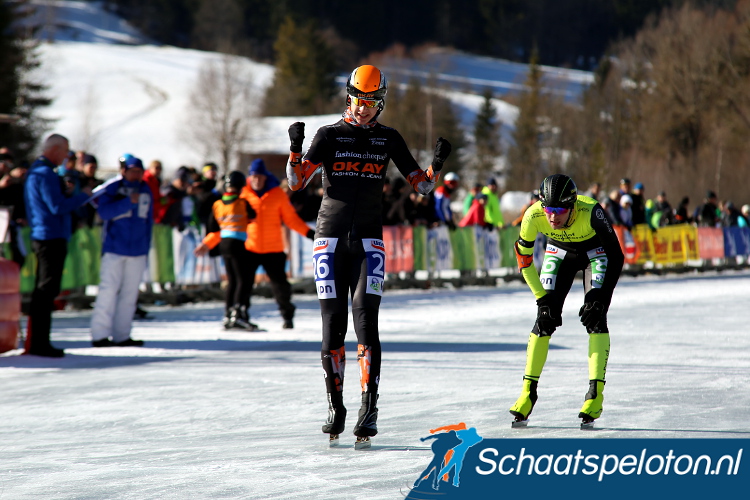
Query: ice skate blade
x=587 y=426
x=362 y=443
x=519 y=424
x=333 y=440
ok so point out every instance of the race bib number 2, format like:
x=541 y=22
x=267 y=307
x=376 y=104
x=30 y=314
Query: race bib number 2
x=375 y=253
x=323 y=250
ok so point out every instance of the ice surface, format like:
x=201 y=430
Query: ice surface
x=204 y=413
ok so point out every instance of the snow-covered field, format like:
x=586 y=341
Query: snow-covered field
x=203 y=413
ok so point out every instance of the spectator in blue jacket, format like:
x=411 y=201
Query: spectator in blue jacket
x=48 y=209
x=126 y=207
x=443 y=194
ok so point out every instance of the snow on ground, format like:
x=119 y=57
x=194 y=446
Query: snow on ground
x=204 y=413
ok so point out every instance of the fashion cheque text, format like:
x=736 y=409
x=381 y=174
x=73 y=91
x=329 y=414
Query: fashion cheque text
x=642 y=463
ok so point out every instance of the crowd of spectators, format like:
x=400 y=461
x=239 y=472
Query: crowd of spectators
x=187 y=197
x=626 y=205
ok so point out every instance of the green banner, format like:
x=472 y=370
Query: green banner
x=462 y=243
x=420 y=248
x=161 y=243
x=508 y=237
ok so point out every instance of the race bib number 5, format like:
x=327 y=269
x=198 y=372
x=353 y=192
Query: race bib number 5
x=375 y=253
x=323 y=250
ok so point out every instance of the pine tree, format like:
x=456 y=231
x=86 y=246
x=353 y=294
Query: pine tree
x=486 y=137
x=421 y=117
x=305 y=79
x=19 y=94
x=524 y=156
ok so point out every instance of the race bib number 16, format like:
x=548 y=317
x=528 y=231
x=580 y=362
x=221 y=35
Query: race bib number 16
x=323 y=250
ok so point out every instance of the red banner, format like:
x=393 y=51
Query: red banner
x=399 y=245
x=710 y=242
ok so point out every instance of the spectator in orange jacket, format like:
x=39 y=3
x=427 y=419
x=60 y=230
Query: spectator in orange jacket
x=265 y=243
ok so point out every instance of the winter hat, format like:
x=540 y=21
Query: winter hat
x=639 y=185
x=626 y=199
x=182 y=173
x=132 y=162
x=257 y=167
x=491 y=181
x=89 y=159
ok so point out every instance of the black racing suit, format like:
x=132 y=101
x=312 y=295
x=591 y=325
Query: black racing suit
x=348 y=250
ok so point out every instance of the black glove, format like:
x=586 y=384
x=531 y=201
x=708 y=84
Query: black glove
x=451 y=225
x=296 y=136
x=592 y=310
x=310 y=234
x=442 y=150
x=544 y=319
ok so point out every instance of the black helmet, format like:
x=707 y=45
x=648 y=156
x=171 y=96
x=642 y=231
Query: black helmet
x=558 y=190
x=235 y=179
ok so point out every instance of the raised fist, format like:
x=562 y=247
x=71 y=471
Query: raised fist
x=296 y=136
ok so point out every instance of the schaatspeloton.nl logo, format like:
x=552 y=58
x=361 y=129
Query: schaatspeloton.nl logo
x=466 y=465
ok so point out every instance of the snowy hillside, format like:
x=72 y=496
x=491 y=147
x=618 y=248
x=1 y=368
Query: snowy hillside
x=115 y=93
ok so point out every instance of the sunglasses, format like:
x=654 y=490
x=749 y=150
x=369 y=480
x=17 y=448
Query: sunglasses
x=368 y=103
x=556 y=210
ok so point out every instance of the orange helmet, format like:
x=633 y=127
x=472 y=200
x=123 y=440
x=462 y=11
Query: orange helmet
x=367 y=82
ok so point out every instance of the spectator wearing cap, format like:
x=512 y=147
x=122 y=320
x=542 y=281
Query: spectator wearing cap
x=639 y=204
x=88 y=178
x=126 y=207
x=625 y=186
x=209 y=174
x=48 y=210
x=707 y=214
x=88 y=171
x=443 y=194
x=265 y=242
x=492 y=213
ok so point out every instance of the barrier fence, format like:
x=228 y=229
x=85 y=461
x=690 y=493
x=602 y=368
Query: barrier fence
x=409 y=249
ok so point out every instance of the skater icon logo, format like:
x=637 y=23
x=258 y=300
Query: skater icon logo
x=449 y=447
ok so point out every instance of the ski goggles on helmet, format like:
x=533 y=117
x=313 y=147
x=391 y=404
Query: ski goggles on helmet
x=556 y=210
x=367 y=103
